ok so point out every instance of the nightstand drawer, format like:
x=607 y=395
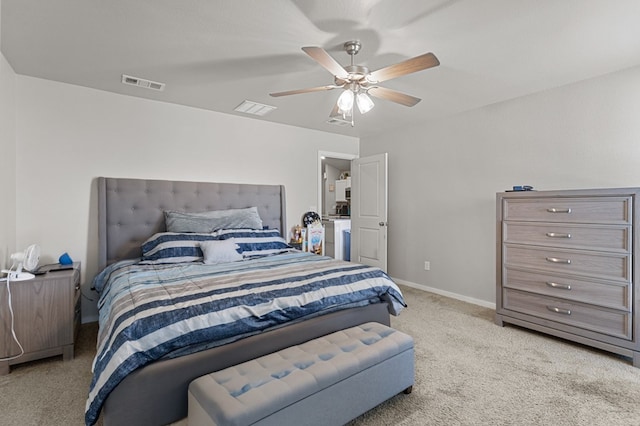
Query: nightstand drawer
x=600 y=238
x=608 y=266
x=614 y=210
x=606 y=294
x=607 y=321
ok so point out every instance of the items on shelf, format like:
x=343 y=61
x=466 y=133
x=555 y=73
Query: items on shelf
x=315 y=238
x=309 y=237
x=296 y=234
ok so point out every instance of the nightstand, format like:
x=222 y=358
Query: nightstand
x=47 y=317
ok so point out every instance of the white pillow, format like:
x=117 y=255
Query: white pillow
x=220 y=251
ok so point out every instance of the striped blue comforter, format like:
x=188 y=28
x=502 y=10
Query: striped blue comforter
x=148 y=312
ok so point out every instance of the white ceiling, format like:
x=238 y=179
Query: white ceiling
x=213 y=54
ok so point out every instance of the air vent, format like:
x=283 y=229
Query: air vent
x=250 y=107
x=141 y=82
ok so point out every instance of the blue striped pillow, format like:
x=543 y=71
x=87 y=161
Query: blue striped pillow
x=174 y=247
x=255 y=242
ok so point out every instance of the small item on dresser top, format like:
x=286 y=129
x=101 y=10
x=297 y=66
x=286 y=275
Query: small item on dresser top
x=51 y=267
x=303 y=235
x=55 y=267
x=296 y=234
x=61 y=268
x=309 y=218
x=65 y=259
x=517 y=188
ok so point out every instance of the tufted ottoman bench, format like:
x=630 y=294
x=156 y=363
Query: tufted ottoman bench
x=325 y=381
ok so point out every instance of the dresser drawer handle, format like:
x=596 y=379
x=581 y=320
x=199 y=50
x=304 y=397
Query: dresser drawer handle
x=554 y=210
x=560 y=286
x=556 y=260
x=559 y=310
x=556 y=235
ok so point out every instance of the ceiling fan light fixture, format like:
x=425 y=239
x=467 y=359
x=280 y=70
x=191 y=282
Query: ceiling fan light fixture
x=365 y=104
x=359 y=83
x=345 y=101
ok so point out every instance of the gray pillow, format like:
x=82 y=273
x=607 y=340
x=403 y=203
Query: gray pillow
x=212 y=220
x=220 y=251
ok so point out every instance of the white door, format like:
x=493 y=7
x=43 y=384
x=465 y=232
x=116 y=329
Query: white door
x=369 y=210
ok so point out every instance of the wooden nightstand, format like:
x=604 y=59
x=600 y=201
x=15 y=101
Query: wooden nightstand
x=47 y=317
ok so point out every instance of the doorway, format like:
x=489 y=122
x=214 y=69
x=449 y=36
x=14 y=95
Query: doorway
x=331 y=167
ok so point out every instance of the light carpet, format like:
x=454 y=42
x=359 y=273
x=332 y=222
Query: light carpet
x=469 y=371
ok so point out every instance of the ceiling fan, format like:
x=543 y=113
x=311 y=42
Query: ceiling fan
x=358 y=82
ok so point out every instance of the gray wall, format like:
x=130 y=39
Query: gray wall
x=7 y=161
x=69 y=135
x=443 y=175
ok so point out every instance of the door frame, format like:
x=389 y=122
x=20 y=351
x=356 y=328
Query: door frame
x=321 y=156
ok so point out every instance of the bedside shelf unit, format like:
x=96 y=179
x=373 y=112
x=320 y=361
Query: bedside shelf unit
x=567 y=265
x=47 y=317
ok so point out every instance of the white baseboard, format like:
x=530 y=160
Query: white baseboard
x=467 y=299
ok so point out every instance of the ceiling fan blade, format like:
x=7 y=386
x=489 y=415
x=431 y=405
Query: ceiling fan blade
x=321 y=56
x=393 y=96
x=308 y=90
x=419 y=63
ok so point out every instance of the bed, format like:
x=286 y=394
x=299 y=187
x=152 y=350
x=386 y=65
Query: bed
x=154 y=392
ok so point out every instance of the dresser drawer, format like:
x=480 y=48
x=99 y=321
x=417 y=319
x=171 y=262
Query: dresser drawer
x=614 y=210
x=608 y=266
x=607 y=321
x=611 y=295
x=589 y=237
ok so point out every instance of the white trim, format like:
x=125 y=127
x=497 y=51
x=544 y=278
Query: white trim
x=472 y=300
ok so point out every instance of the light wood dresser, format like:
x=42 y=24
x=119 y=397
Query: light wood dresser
x=567 y=265
x=46 y=317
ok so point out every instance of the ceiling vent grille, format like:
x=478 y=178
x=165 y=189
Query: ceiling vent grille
x=254 y=108
x=141 y=82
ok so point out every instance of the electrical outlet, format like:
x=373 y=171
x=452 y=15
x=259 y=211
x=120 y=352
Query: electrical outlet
x=427 y=265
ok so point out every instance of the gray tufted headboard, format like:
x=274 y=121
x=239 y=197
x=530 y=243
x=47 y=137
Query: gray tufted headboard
x=131 y=210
